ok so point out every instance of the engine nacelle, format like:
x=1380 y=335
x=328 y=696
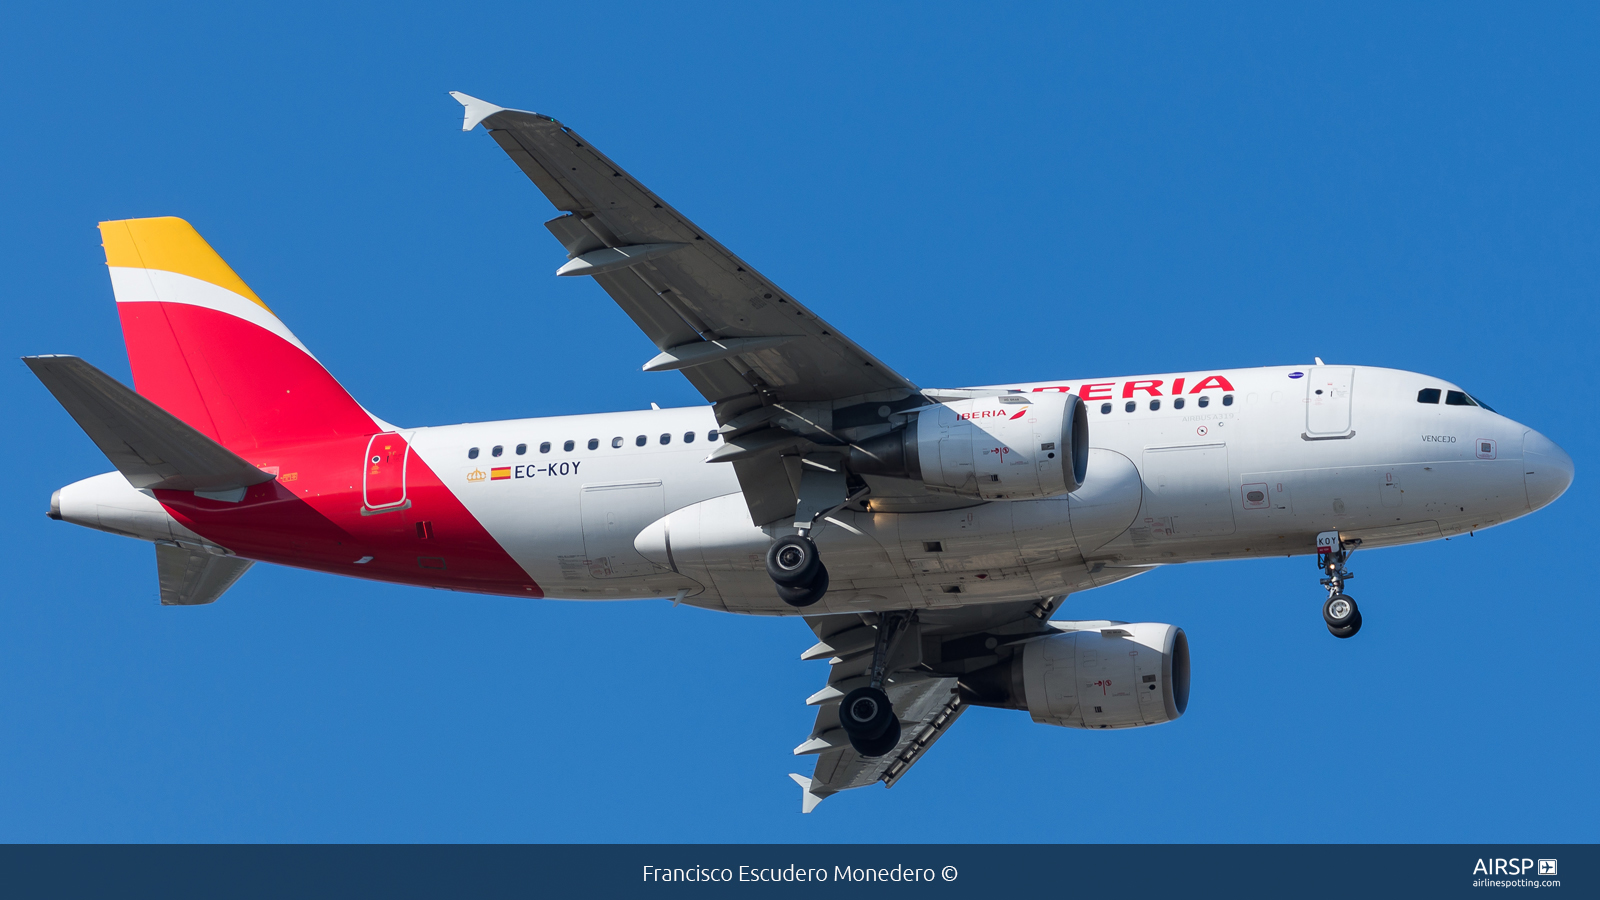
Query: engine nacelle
x=1008 y=447
x=1117 y=676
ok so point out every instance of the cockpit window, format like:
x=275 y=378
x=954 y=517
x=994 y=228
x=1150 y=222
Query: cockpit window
x=1428 y=395
x=1457 y=398
x=1482 y=404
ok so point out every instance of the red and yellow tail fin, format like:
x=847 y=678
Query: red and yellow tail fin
x=205 y=348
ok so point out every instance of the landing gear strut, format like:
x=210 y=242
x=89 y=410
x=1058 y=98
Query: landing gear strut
x=1340 y=612
x=867 y=716
x=792 y=561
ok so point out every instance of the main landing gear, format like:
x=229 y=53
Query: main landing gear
x=865 y=713
x=797 y=570
x=1340 y=612
x=792 y=561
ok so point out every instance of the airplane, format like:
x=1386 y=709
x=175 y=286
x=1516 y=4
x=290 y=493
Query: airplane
x=926 y=536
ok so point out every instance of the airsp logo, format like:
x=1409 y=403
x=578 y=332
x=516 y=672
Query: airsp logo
x=1547 y=867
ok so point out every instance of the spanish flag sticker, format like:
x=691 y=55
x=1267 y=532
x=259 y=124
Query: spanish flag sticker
x=499 y=472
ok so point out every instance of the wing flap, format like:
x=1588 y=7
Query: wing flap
x=151 y=447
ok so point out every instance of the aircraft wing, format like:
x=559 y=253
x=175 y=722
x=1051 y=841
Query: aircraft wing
x=740 y=340
x=926 y=702
x=923 y=667
x=927 y=707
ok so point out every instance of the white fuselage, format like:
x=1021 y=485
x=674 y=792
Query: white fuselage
x=1259 y=470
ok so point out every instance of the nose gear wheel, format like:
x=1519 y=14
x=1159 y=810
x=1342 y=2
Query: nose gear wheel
x=1339 y=612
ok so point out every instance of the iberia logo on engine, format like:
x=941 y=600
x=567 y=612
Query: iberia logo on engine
x=987 y=413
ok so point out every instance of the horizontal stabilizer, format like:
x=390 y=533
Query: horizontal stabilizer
x=151 y=447
x=191 y=577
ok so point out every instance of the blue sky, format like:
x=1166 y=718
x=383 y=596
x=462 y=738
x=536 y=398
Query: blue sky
x=977 y=194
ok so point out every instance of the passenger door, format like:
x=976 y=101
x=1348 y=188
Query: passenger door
x=1328 y=392
x=383 y=472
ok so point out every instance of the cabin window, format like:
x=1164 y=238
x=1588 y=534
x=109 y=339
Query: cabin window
x=688 y=437
x=1105 y=409
x=1204 y=401
x=640 y=441
x=473 y=453
x=1227 y=399
x=497 y=450
x=1155 y=405
x=544 y=447
x=666 y=439
x=568 y=446
x=1130 y=406
x=522 y=449
x=1428 y=395
x=711 y=437
x=1177 y=403
x=616 y=442
x=594 y=443
x=1457 y=398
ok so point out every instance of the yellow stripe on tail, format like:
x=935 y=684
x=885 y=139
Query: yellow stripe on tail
x=171 y=245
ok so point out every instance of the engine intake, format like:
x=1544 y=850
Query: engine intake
x=1122 y=676
x=1009 y=447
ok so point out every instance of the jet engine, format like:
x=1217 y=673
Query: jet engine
x=1007 y=447
x=1114 y=676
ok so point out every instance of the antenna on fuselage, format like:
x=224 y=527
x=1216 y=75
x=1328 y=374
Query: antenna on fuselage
x=1319 y=360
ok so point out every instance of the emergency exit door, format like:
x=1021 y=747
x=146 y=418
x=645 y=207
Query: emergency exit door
x=1328 y=390
x=383 y=478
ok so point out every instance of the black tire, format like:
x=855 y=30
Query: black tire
x=872 y=748
x=865 y=713
x=1340 y=611
x=805 y=596
x=793 y=561
x=1348 y=631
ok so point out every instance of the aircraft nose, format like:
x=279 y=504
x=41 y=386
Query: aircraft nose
x=1547 y=469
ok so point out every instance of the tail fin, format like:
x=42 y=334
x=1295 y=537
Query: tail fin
x=206 y=349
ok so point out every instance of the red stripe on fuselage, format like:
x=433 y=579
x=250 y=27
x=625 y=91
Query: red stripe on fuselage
x=311 y=518
x=272 y=403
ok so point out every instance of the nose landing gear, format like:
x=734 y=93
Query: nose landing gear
x=1339 y=612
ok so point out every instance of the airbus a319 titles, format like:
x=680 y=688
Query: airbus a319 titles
x=926 y=536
